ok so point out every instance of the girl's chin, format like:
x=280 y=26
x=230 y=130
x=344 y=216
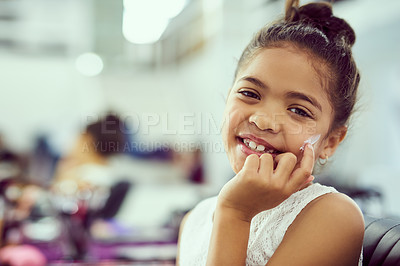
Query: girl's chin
x=236 y=170
x=237 y=159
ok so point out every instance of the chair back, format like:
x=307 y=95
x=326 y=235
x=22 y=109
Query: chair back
x=381 y=241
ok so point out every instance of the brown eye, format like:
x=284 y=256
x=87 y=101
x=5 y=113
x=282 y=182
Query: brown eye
x=250 y=94
x=299 y=111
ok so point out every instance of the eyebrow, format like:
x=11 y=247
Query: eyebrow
x=255 y=81
x=302 y=96
x=291 y=94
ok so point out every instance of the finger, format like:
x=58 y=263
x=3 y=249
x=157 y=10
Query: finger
x=308 y=159
x=285 y=166
x=266 y=165
x=279 y=157
x=310 y=179
x=303 y=174
x=251 y=163
x=307 y=182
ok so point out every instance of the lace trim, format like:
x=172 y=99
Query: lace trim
x=266 y=232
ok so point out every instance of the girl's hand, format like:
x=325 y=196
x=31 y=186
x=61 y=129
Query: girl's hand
x=258 y=187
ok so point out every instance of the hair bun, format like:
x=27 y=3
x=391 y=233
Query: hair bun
x=320 y=16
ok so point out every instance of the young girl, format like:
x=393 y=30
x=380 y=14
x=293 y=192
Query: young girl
x=294 y=90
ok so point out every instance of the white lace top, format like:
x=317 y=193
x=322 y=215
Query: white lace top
x=273 y=223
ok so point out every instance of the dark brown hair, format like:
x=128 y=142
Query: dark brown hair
x=314 y=29
x=109 y=135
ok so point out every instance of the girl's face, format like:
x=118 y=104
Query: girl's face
x=276 y=103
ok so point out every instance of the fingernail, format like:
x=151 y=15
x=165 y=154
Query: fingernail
x=310 y=146
x=302 y=147
x=312 y=140
x=309 y=180
x=305 y=144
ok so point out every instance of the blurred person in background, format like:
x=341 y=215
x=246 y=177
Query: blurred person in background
x=88 y=163
x=84 y=177
x=99 y=141
x=95 y=178
x=42 y=161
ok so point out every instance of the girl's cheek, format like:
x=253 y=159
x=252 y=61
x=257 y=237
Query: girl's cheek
x=232 y=119
x=294 y=146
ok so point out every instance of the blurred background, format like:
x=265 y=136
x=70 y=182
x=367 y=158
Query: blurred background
x=111 y=113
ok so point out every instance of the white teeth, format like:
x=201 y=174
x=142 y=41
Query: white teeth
x=252 y=144
x=260 y=148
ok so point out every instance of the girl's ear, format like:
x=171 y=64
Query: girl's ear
x=333 y=141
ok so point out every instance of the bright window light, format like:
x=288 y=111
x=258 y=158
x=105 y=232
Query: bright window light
x=145 y=21
x=142 y=29
x=89 y=64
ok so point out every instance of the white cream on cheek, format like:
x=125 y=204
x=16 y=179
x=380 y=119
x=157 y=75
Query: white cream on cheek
x=312 y=140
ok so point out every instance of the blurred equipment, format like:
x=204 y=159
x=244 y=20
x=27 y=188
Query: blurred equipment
x=381 y=241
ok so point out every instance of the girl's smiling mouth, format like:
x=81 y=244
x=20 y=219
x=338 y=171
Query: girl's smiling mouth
x=250 y=144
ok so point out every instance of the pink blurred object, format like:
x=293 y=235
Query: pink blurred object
x=22 y=255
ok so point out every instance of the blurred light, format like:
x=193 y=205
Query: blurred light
x=13 y=192
x=69 y=207
x=211 y=5
x=146 y=21
x=45 y=229
x=89 y=64
x=142 y=29
x=68 y=187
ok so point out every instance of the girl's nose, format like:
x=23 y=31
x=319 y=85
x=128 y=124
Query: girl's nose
x=271 y=123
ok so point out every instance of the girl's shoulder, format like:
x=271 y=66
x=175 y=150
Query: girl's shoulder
x=337 y=206
x=333 y=210
x=330 y=228
x=201 y=214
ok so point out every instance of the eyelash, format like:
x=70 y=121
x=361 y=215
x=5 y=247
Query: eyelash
x=298 y=111
x=250 y=94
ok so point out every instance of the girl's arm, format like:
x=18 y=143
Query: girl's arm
x=229 y=238
x=257 y=187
